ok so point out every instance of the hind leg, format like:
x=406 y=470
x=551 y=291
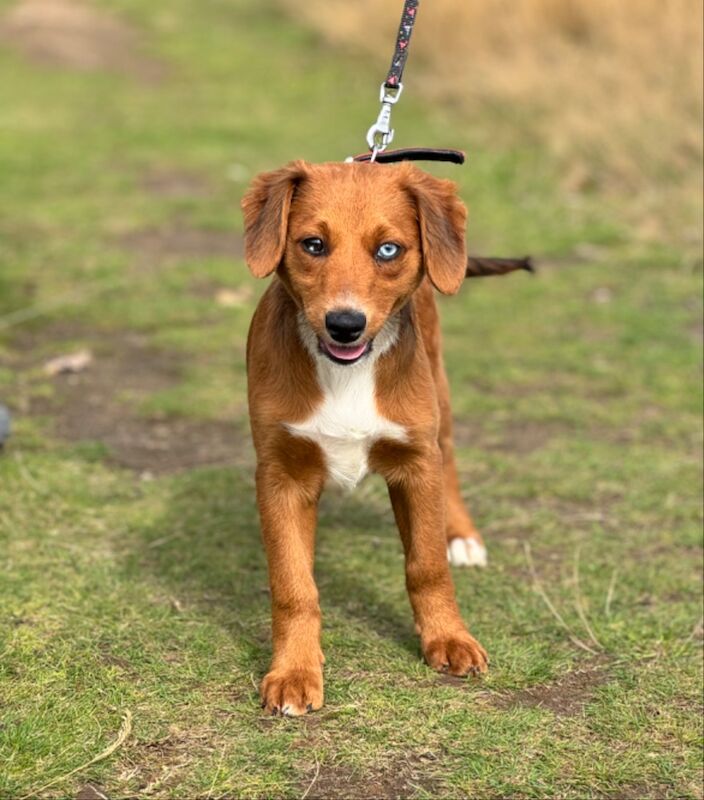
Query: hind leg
x=464 y=544
x=465 y=547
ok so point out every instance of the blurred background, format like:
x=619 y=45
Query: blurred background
x=132 y=576
x=613 y=91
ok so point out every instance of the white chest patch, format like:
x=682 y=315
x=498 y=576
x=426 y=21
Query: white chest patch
x=347 y=423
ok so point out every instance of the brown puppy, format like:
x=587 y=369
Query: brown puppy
x=346 y=376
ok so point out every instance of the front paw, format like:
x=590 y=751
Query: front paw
x=292 y=692
x=459 y=655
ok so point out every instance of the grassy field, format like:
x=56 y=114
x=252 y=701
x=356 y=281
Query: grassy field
x=134 y=614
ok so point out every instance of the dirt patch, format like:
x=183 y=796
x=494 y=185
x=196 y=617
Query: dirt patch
x=401 y=778
x=525 y=516
x=566 y=697
x=166 y=446
x=74 y=35
x=158 y=764
x=91 y=792
x=180 y=243
x=175 y=184
x=643 y=791
x=470 y=683
x=110 y=659
x=526 y=438
x=521 y=438
x=99 y=404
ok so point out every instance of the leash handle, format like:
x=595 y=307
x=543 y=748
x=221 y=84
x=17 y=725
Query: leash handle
x=381 y=134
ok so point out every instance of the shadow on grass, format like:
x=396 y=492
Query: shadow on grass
x=206 y=551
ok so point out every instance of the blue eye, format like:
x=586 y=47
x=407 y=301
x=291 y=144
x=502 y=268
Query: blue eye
x=388 y=251
x=314 y=246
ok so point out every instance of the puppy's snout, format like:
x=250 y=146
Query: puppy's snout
x=345 y=326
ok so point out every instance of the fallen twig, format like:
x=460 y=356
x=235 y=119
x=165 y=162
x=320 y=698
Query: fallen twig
x=217 y=773
x=578 y=602
x=73 y=297
x=162 y=540
x=315 y=778
x=29 y=479
x=152 y=786
x=68 y=363
x=123 y=733
x=539 y=589
x=696 y=631
x=610 y=593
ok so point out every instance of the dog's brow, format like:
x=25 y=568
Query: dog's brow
x=385 y=233
x=314 y=227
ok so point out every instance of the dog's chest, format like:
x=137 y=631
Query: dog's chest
x=347 y=423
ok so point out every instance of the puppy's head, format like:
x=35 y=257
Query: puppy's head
x=352 y=242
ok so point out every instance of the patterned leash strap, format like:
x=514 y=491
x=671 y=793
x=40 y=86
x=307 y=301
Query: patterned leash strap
x=381 y=134
x=398 y=62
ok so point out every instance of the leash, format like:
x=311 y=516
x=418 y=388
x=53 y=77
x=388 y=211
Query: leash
x=381 y=134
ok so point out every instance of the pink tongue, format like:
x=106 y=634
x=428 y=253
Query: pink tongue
x=346 y=353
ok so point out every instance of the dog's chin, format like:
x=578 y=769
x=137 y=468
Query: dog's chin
x=345 y=354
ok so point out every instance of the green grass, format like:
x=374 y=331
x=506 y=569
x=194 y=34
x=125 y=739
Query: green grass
x=577 y=395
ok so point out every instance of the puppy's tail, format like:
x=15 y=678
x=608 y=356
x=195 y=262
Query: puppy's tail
x=479 y=267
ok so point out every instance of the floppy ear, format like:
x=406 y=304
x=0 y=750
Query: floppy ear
x=442 y=219
x=265 y=208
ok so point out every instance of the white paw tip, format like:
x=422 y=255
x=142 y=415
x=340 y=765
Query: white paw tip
x=466 y=553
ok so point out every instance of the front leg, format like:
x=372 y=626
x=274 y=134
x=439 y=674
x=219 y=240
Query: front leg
x=288 y=511
x=415 y=482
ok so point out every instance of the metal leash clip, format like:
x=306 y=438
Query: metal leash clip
x=381 y=134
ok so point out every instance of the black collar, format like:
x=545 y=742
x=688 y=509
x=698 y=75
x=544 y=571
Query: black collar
x=414 y=154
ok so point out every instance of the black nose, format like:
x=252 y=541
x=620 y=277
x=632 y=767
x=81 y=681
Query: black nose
x=345 y=326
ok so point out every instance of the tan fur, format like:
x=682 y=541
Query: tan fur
x=354 y=207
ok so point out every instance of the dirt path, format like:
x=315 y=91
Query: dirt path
x=74 y=35
x=101 y=404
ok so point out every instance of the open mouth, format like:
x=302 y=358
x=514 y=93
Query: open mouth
x=344 y=353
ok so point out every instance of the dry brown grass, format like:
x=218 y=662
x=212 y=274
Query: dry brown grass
x=612 y=87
